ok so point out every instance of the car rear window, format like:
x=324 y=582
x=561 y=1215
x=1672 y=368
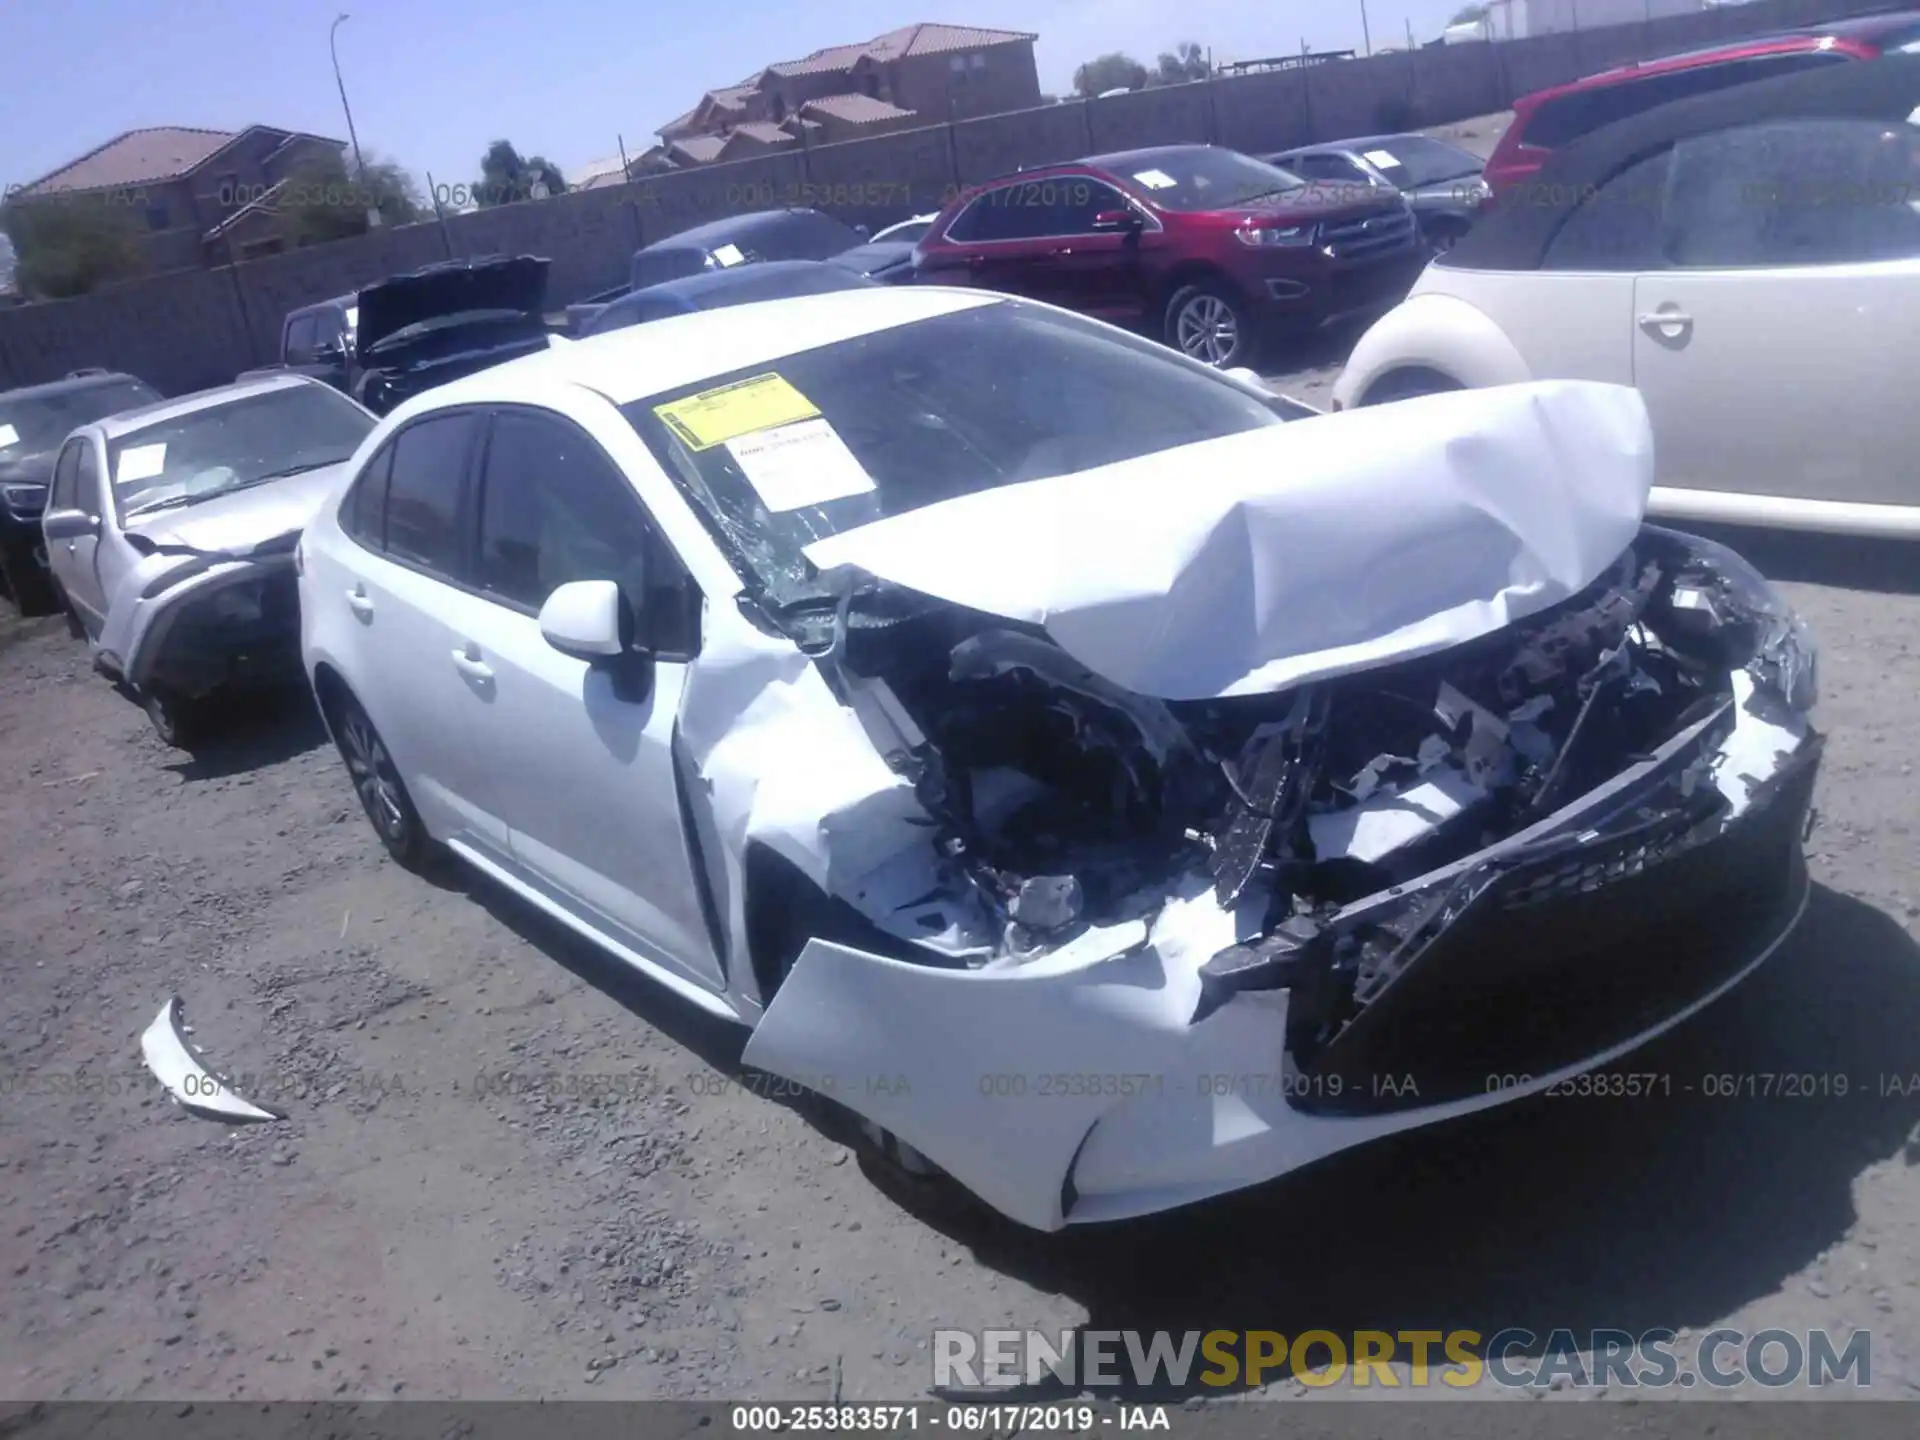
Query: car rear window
x=1565 y=118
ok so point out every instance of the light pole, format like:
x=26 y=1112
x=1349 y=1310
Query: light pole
x=359 y=165
x=1366 y=31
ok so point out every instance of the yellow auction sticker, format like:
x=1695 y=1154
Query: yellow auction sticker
x=745 y=407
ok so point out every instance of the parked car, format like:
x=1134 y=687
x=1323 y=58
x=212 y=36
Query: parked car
x=33 y=422
x=749 y=239
x=1206 y=248
x=943 y=685
x=885 y=262
x=170 y=533
x=910 y=231
x=1551 y=119
x=419 y=329
x=1749 y=259
x=716 y=289
x=1442 y=182
x=318 y=341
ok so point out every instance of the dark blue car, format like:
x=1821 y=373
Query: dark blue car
x=714 y=289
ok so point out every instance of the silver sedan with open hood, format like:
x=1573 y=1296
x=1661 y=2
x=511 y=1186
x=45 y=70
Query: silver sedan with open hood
x=170 y=533
x=1111 y=784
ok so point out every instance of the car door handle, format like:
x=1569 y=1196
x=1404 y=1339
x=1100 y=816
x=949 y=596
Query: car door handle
x=1666 y=322
x=359 y=602
x=468 y=662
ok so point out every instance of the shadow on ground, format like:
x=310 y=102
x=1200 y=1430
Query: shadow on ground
x=1561 y=1213
x=256 y=730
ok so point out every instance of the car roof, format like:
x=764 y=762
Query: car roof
x=641 y=360
x=70 y=384
x=1516 y=237
x=697 y=292
x=1785 y=42
x=730 y=228
x=114 y=426
x=1355 y=144
x=1122 y=162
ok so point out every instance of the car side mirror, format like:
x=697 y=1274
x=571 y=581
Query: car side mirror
x=588 y=620
x=69 y=524
x=1117 y=220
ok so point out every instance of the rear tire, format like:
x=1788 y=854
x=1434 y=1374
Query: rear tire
x=376 y=781
x=1210 y=323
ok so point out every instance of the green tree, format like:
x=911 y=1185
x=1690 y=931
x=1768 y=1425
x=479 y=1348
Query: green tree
x=66 y=245
x=506 y=176
x=1184 y=63
x=324 y=201
x=1109 y=72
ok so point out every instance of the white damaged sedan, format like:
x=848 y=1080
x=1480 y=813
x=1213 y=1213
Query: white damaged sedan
x=1112 y=784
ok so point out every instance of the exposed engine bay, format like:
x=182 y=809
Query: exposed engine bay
x=1062 y=802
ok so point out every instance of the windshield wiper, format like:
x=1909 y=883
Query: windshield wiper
x=172 y=502
x=300 y=469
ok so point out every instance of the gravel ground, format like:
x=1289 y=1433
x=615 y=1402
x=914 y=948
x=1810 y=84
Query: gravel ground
x=636 y=1219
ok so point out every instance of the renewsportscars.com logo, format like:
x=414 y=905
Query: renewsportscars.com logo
x=1458 y=1359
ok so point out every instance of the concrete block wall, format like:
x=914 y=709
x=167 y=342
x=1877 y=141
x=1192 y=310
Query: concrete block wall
x=193 y=328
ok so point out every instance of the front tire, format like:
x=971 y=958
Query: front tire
x=181 y=721
x=23 y=578
x=1208 y=322
x=376 y=781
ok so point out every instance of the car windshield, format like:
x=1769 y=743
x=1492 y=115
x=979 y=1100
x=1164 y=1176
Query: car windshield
x=1413 y=161
x=235 y=443
x=33 y=423
x=781 y=454
x=1204 y=178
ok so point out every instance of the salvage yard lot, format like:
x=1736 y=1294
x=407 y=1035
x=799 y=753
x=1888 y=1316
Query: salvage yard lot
x=511 y=1169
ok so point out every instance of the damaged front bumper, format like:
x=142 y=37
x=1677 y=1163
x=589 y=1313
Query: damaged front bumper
x=193 y=621
x=1149 y=1063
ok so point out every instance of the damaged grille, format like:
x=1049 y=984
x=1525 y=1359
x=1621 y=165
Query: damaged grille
x=1370 y=237
x=1561 y=959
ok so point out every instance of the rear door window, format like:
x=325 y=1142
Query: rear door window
x=1617 y=228
x=1796 y=192
x=363 y=516
x=424 y=492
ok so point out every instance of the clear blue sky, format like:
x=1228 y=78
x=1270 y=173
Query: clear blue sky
x=432 y=81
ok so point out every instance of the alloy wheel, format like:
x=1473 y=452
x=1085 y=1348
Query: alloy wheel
x=1207 y=330
x=374 y=779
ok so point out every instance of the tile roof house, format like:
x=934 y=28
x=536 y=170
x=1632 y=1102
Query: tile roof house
x=200 y=197
x=921 y=74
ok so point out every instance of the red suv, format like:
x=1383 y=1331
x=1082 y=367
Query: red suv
x=1206 y=247
x=1549 y=119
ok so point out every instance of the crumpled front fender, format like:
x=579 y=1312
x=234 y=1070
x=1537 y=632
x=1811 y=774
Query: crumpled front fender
x=142 y=611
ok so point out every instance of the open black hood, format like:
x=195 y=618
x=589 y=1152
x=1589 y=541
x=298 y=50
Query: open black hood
x=498 y=283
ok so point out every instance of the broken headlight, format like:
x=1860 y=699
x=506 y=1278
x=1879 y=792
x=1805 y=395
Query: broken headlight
x=1718 y=590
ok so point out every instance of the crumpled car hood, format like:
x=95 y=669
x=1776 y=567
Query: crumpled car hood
x=1296 y=552
x=245 y=518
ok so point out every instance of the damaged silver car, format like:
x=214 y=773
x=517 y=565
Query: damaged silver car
x=170 y=533
x=1112 y=784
